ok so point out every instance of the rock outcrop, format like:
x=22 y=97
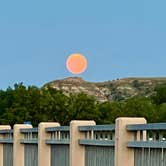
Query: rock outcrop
x=119 y=89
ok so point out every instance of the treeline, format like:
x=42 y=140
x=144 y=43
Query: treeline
x=21 y=103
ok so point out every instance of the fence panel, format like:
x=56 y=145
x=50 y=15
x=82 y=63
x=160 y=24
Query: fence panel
x=30 y=142
x=149 y=157
x=59 y=155
x=150 y=149
x=7 y=142
x=7 y=154
x=31 y=155
x=99 y=145
x=59 y=142
x=99 y=156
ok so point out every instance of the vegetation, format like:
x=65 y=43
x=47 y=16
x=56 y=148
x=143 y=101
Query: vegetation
x=21 y=103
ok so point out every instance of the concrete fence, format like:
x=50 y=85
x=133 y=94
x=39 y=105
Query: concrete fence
x=130 y=142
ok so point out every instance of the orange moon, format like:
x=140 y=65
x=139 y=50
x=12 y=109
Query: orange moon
x=76 y=63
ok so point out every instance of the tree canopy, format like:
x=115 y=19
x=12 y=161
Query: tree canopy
x=21 y=103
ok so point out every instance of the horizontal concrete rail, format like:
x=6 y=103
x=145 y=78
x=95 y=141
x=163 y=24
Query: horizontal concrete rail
x=147 y=144
x=31 y=130
x=59 y=128
x=149 y=126
x=97 y=128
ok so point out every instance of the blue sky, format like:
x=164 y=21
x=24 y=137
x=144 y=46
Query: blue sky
x=119 y=38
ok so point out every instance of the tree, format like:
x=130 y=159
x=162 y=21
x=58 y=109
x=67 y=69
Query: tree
x=140 y=107
x=82 y=107
x=109 y=111
x=161 y=113
x=160 y=94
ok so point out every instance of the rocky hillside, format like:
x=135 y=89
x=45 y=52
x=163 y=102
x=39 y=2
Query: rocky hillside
x=119 y=89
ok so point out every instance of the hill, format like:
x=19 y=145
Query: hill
x=114 y=90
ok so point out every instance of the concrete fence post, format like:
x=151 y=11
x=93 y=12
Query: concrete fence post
x=77 y=152
x=125 y=156
x=44 y=150
x=2 y=127
x=18 y=148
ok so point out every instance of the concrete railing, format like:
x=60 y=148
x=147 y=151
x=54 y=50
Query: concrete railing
x=6 y=146
x=99 y=144
x=59 y=141
x=130 y=142
x=149 y=144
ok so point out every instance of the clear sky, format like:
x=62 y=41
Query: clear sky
x=120 y=38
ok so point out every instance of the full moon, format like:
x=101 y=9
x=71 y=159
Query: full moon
x=76 y=63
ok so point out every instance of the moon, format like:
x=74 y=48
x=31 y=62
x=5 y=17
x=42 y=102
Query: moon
x=76 y=63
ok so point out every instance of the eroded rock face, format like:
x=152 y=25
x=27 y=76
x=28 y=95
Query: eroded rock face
x=119 y=89
x=78 y=85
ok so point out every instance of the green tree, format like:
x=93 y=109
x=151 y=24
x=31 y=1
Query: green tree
x=22 y=104
x=140 y=107
x=82 y=107
x=53 y=106
x=160 y=94
x=161 y=113
x=109 y=111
